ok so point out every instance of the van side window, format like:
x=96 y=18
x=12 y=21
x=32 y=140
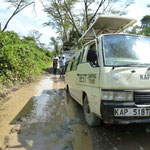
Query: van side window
x=76 y=62
x=69 y=65
x=92 y=56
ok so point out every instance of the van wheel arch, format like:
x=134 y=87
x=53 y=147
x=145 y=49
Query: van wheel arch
x=93 y=120
x=83 y=96
x=67 y=87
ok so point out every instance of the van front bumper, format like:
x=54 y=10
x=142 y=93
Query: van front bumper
x=107 y=113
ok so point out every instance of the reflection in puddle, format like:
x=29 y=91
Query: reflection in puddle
x=49 y=121
x=54 y=121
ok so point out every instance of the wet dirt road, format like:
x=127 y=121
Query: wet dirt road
x=52 y=120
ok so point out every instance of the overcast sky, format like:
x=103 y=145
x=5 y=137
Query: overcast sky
x=27 y=20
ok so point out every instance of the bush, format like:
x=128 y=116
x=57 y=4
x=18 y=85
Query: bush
x=20 y=59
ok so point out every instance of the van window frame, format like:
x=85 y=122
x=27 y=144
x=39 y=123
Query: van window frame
x=76 y=60
x=81 y=55
x=72 y=63
x=86 y=50
x=103 y=53
x=69 y=66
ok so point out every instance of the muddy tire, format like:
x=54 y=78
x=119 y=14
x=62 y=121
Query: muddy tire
x=67 y=90
x=67 y=94
x=91 y=118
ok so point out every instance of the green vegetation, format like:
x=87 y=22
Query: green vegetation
x=21 y=59
x=71 y=21
x=143 y=29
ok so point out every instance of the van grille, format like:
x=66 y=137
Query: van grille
x=142 y=97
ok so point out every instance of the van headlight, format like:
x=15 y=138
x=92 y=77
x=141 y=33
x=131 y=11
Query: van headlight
x=117 y=96
x=107 y=95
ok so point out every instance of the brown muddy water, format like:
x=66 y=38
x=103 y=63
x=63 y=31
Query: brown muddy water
x=52 y=120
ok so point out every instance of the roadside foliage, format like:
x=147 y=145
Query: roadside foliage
x=20 y=59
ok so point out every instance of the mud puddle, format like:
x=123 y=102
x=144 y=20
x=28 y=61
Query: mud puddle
x=51 y=121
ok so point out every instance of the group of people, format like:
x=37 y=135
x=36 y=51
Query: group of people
x=59 y=62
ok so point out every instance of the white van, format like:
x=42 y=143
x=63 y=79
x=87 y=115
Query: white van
x=110 y=76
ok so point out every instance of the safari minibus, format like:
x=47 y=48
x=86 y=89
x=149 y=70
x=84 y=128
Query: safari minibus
x=110 y=76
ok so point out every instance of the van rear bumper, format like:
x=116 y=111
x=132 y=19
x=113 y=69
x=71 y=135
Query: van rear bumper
x=107 y=113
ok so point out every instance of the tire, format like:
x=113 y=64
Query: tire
x=67 y=94
x=91 y=119
x=67 y=90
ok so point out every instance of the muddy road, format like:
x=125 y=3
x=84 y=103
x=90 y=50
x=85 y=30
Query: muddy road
x=52 y=120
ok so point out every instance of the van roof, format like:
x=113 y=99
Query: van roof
x=114 y=24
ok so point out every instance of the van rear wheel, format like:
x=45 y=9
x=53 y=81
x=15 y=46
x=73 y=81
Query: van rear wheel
x=91 y=118
x=67 y=90
x=67 y=94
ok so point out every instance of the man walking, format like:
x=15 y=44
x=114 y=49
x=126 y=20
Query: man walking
x=62 y=63
x=55 y=63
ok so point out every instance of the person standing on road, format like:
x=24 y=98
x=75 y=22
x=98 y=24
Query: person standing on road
x=62 y=64
x=55 y=64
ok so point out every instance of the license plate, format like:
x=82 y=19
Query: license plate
x=131 y=112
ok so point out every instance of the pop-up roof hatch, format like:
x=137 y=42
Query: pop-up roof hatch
x=112 y=24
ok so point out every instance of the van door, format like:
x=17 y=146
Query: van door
x=88 y=73
x=73 y=77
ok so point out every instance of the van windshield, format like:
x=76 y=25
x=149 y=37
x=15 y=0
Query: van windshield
x=126 y=50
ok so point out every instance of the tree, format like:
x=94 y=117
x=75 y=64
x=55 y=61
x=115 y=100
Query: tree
x=145 y=21
x=19 y=5
x=145 y=25
x=59 y=19
x=55 y=43
x=68 y=19
x=144 y=29
x=36 y=35
x=135 y=30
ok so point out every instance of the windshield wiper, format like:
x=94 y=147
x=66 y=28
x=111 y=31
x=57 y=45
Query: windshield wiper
x=146 y=65
x=126 y=65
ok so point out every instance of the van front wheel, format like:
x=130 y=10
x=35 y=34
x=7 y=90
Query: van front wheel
x=91 y=118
